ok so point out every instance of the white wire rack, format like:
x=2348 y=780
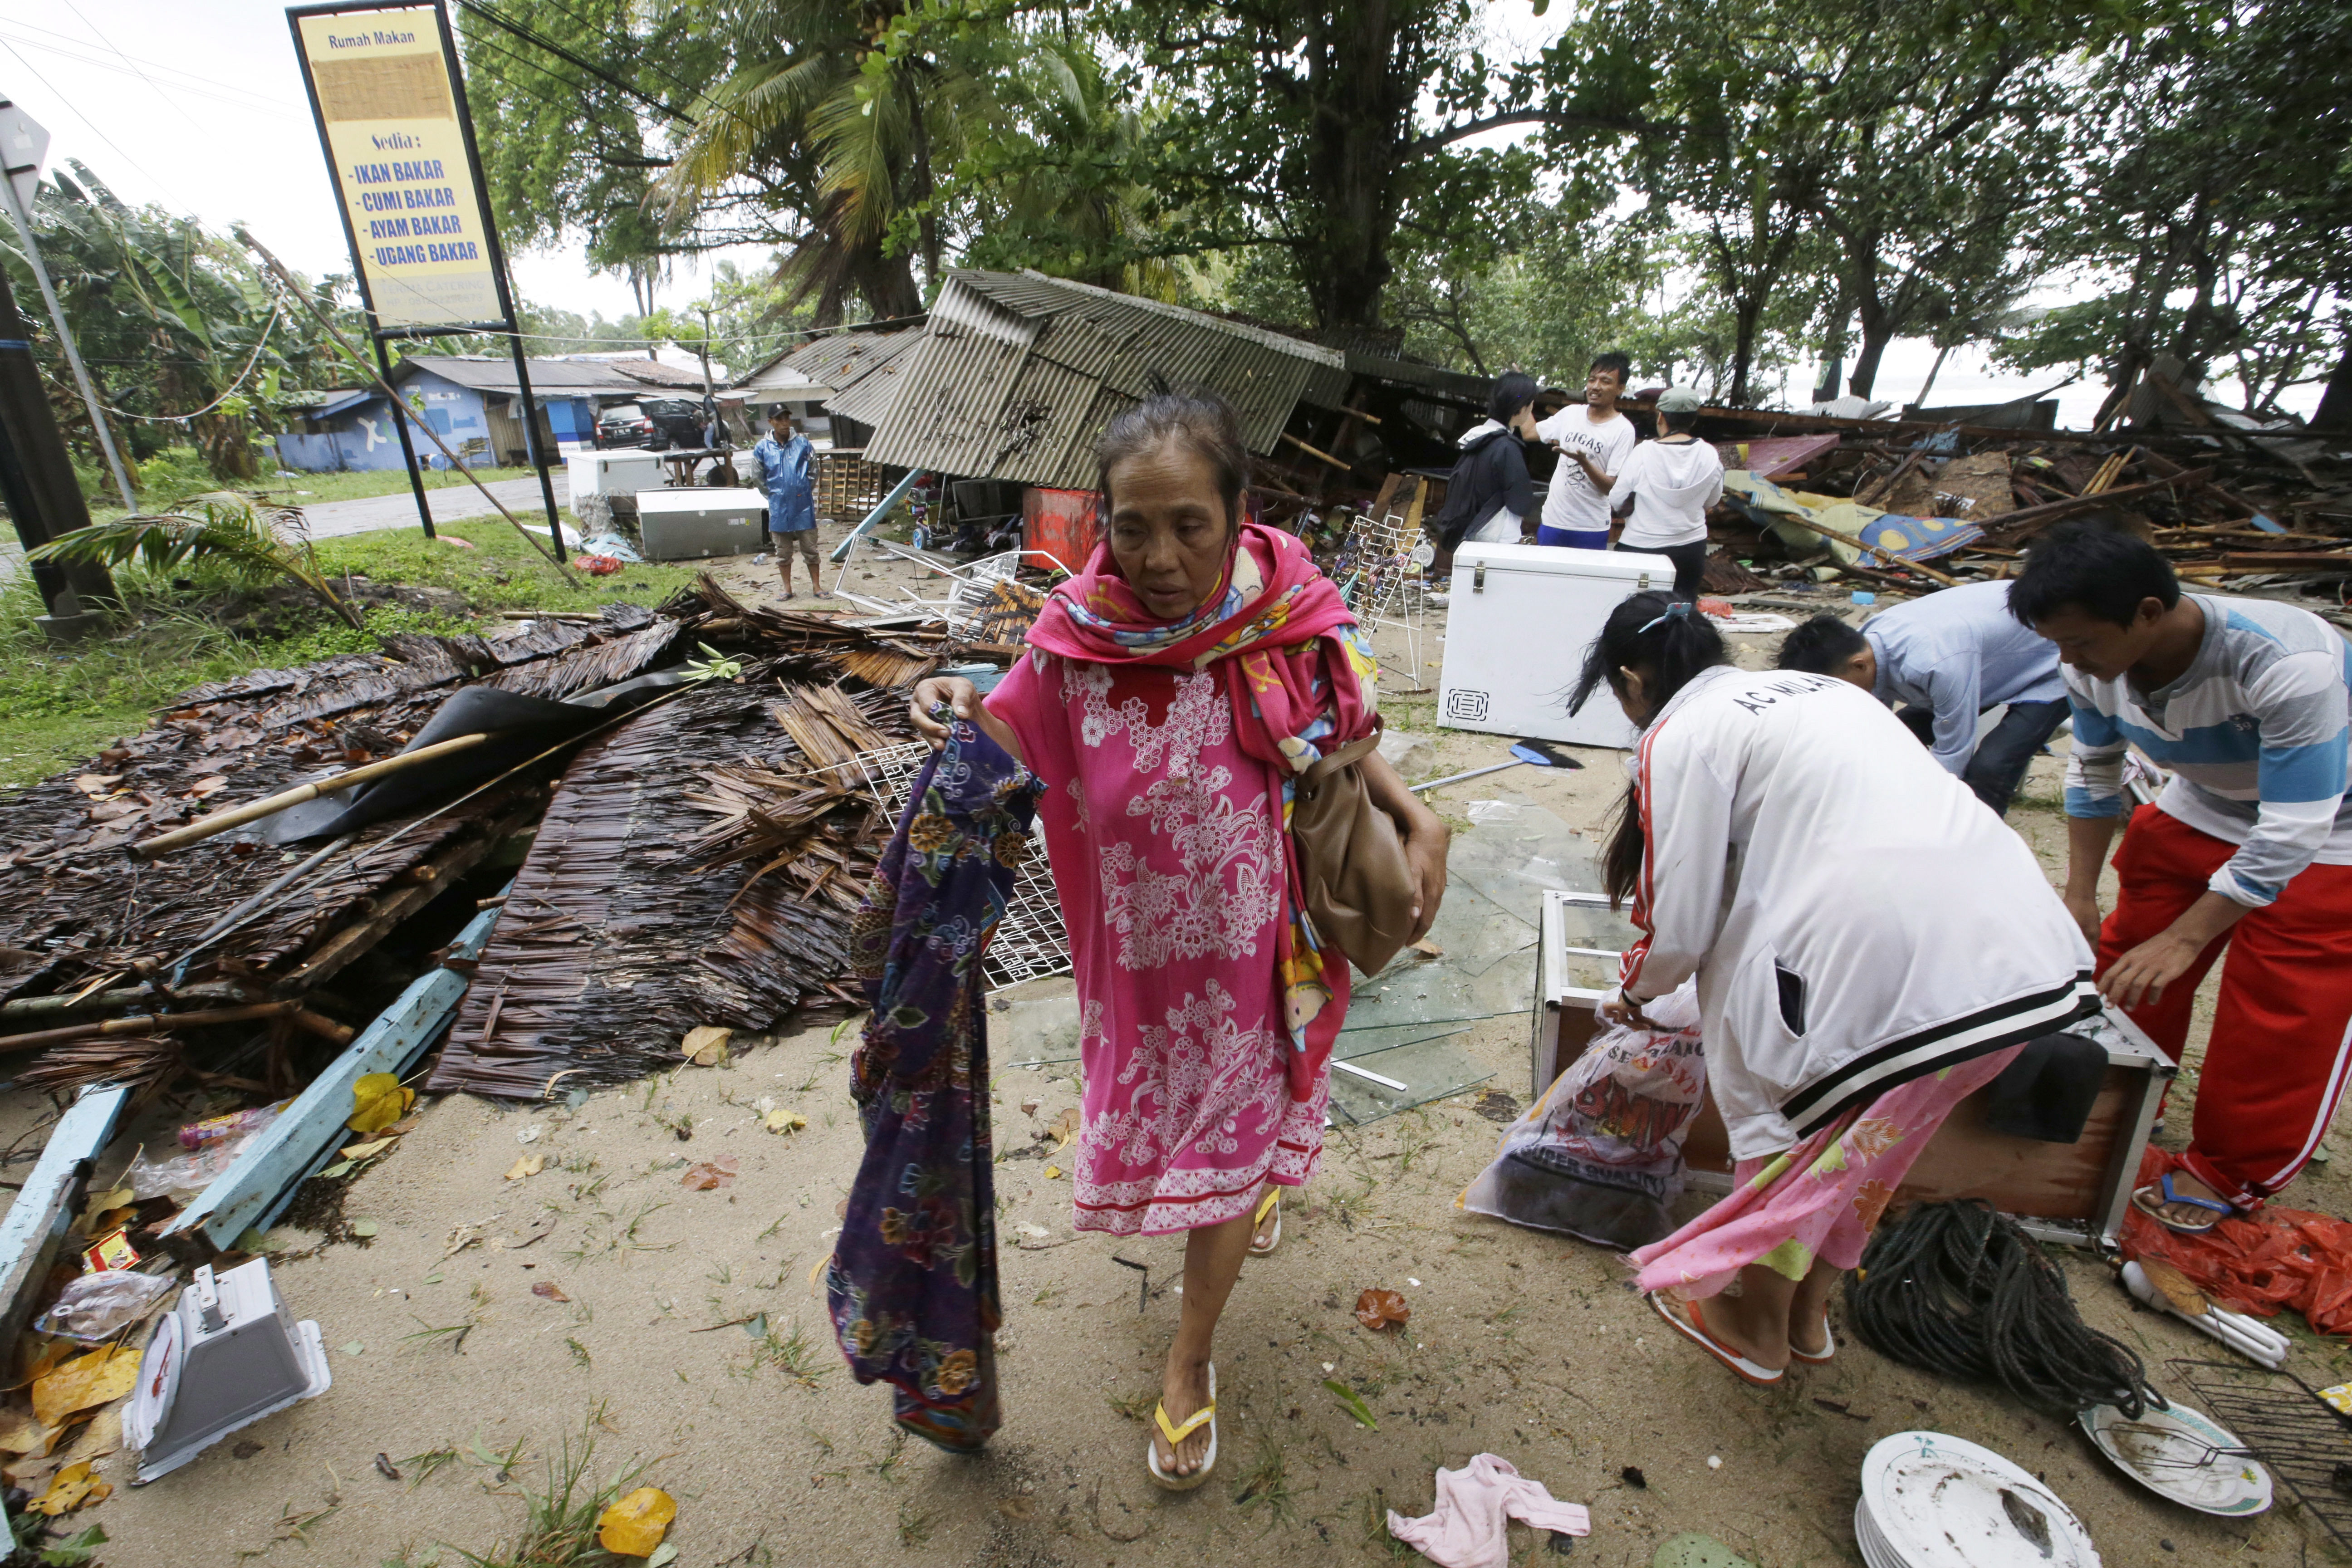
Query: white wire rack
x=1380 y=581
x=1032 y=943
x=969 y=595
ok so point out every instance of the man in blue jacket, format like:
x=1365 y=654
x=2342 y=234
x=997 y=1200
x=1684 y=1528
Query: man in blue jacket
x=788 y=474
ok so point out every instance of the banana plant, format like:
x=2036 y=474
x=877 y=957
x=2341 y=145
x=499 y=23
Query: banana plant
x=258 y=543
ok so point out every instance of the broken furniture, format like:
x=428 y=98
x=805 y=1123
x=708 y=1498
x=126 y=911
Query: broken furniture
x=2076 y=1193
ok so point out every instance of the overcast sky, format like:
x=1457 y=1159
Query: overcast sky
x=199 y=108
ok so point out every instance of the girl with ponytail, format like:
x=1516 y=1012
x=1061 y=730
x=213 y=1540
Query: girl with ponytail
x=1787 y=841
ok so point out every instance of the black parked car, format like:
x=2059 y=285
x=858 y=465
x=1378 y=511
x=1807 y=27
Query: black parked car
x=660 y=422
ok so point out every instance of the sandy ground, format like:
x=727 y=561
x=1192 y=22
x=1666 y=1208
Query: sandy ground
x=679 y=1332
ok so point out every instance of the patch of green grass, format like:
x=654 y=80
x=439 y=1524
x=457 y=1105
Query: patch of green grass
x=1265 y=1484
x=59 y=705
x=560 y=1513
x=792 y=1353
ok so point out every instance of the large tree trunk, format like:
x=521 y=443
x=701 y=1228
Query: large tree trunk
x=1746 y=312
x=2335 y=402
x=1874 y=339
x=1360 y=111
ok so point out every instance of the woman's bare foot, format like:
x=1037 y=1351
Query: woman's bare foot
x=1262 y=1236
x=1183 y=1390
x=2187 y=1186
x=1756 y=1330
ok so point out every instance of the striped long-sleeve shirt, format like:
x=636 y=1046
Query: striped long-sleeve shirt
x=2255 y=735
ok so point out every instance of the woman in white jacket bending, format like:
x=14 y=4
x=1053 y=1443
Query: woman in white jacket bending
x=1871 y=943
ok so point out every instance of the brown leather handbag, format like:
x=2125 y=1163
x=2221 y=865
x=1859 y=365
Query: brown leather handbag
x=1359 y=887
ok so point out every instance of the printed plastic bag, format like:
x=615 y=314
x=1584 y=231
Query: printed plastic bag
x=97 y=1307
x=1599 y=1156
x=196 y=1170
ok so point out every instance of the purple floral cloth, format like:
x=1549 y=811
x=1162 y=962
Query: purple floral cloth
x=912 y=1284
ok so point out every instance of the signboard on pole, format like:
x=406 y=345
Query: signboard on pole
x=388 y=112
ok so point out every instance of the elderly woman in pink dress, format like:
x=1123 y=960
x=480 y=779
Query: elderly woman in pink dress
x=1172 y=691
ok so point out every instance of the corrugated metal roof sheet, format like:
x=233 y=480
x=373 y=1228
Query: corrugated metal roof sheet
x=485 y=374
x=1016 y=373
x=835 y=365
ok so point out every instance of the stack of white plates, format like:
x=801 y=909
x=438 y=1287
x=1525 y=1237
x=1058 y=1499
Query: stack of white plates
x=1933 y=1502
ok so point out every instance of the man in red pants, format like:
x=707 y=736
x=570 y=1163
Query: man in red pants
x=2248 y=704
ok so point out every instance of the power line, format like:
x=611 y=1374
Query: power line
x=203 y=88
x=78 y=114
x=126 y=59
x=540 y=40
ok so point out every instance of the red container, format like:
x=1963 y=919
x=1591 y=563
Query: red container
x=1059 y=528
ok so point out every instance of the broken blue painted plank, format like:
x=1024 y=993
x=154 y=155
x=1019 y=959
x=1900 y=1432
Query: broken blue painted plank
x=254 y=1191
x=2265 y=524
x=36 y=1221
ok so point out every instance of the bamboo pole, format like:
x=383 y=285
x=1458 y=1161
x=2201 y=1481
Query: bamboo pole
x=156 y=1023
x=1315 y=452
x=253 y=811
x=287 y=280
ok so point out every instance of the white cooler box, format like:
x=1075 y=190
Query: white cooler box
x=623 y=472
x=1520 y=619
x=691 y=523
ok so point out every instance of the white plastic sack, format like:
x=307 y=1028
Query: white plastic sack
x=1599 y=1156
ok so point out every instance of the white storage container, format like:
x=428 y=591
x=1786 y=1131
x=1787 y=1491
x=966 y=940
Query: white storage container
x=1520 y=619
x=691 y=523
x=621 y=472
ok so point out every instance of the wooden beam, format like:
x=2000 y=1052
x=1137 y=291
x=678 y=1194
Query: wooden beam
x=286 y=800
x=149 y=1024
x=1315 y=452
x=2073 y=506
x=1891 y=561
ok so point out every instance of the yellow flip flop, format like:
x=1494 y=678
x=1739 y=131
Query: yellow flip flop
x=1273 y=1200
x=1177 y=1434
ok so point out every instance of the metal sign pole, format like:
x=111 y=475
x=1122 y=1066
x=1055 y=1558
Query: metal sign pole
x=65 y=335
x=505 y=288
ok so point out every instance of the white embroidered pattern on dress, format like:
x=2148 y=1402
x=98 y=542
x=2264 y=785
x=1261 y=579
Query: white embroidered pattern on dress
x=1196 y=912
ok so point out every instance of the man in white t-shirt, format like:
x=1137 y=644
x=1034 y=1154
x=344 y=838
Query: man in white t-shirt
x=1593 y=442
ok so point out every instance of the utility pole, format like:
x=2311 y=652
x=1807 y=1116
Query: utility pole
x=725 y=474
x=23 y=144
x=37 y=481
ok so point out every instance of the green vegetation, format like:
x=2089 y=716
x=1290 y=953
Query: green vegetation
x=59 y=706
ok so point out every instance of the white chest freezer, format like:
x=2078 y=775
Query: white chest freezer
x=694 y=522
x=1519 y=620
x=615 y=473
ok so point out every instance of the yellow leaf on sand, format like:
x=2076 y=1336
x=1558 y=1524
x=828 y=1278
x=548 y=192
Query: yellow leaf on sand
x=1052 y=1172
x=21 y=1433
x=529 y=1166
x=74 y=1486
x=102 y=1377
x=781 y=1120
x=378 y=1101
x=364 y=1151
x=633 y=1526
x=706 y=1046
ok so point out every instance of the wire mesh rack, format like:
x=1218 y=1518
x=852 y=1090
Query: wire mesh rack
x=1032 y=943
x=2284 y=1422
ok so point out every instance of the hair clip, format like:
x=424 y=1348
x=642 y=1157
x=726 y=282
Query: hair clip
x=1679 y=607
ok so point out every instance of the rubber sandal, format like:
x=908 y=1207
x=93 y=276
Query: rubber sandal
x=1273 y=1200
x=1829 y=1341
x=2142 y=1202
x=1694 y=1329
x=1176 y=1434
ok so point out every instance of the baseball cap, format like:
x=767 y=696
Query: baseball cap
x=1679 y=400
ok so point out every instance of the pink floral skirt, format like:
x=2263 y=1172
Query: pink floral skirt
x=1819 y=1201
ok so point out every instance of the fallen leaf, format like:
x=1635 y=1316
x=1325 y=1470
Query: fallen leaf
x=1029 y=1107
x=22 y=1433
x=526 y=1165
x=354 y=1348
x=365 y=1150
x=1381 y=1310
x=663 y=1555
x=1017 y=1508
x=784 y=1122
x=1065 y=1126
x=96 y=783
x=101 y=1206
x=528 y=1134
x=549 y=1290
x=102 y=1436
x=74 y=1486
x=377 y=1101
x=337 y=1169
x=102 y=1377
x=385 y=1468
x=212 y=784
x=633 y=1526
x=702 y=1177
x=1039 y=1231
x=706 y=1046
x=1428 y=949
x=363 y=1227
x=1052 y=1172
x=2174 y=1286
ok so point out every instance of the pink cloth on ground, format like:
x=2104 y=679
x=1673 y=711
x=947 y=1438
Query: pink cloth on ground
x=1166 y=846
x=1821 y=1200
x=1469 y=1526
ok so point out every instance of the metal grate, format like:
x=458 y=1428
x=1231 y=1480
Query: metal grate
x=2281 y=1420
x=1032 y=943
